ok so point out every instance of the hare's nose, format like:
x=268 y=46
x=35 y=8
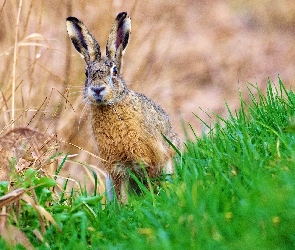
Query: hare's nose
x=97 y=89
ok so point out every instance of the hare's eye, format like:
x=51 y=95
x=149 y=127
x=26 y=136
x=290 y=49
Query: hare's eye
x=86 y=73
x=115 y=71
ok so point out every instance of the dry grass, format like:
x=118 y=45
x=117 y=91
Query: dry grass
x=182 y=55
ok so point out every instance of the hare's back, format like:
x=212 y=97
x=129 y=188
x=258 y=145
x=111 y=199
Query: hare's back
x=156 y=124
x=155 y=119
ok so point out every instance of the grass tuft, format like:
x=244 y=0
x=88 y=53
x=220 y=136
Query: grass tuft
x=233 y=189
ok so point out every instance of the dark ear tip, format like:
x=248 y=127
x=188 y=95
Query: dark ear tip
x=121 y=15
x=73 y=19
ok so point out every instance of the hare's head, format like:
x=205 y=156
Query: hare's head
x=104 y=84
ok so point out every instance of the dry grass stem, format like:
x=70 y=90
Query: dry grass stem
x=14 y=64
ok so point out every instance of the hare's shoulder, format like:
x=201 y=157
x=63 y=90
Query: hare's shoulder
x=148 y=107
x=146 y=114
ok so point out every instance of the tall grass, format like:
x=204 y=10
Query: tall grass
x=233 y=189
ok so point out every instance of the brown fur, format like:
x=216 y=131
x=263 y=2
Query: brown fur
x=128 y=127
x=125 y=134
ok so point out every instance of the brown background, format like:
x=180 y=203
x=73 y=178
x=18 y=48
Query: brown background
x=188 y=56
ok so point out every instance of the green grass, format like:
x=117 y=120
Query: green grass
x=234 y=189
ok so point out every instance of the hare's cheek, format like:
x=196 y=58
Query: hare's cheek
x=109 y=95
x=117 y=85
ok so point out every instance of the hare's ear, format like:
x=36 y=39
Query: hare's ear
x=118 y=38
x=83 y=41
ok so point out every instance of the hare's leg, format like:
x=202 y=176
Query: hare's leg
x=121 y=188
x=123 y=198
x=168 y=168
x=110 y=191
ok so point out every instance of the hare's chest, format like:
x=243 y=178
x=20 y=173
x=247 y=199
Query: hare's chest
x=118 y=123
x=117 y=138
x=121 y=134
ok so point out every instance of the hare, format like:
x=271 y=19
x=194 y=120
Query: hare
x=129 y=128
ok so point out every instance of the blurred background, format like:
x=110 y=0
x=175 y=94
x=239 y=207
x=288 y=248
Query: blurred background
x=189 y=56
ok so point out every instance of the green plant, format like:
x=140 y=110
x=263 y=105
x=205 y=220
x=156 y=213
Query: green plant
x=233 y=189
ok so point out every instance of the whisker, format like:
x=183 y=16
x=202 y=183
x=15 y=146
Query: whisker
x=74 y=92
x=74 y=95
x=74 y=86
x=79 y=101
x=87 y=101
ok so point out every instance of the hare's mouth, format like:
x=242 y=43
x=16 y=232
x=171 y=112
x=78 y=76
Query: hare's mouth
x=96 y=94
